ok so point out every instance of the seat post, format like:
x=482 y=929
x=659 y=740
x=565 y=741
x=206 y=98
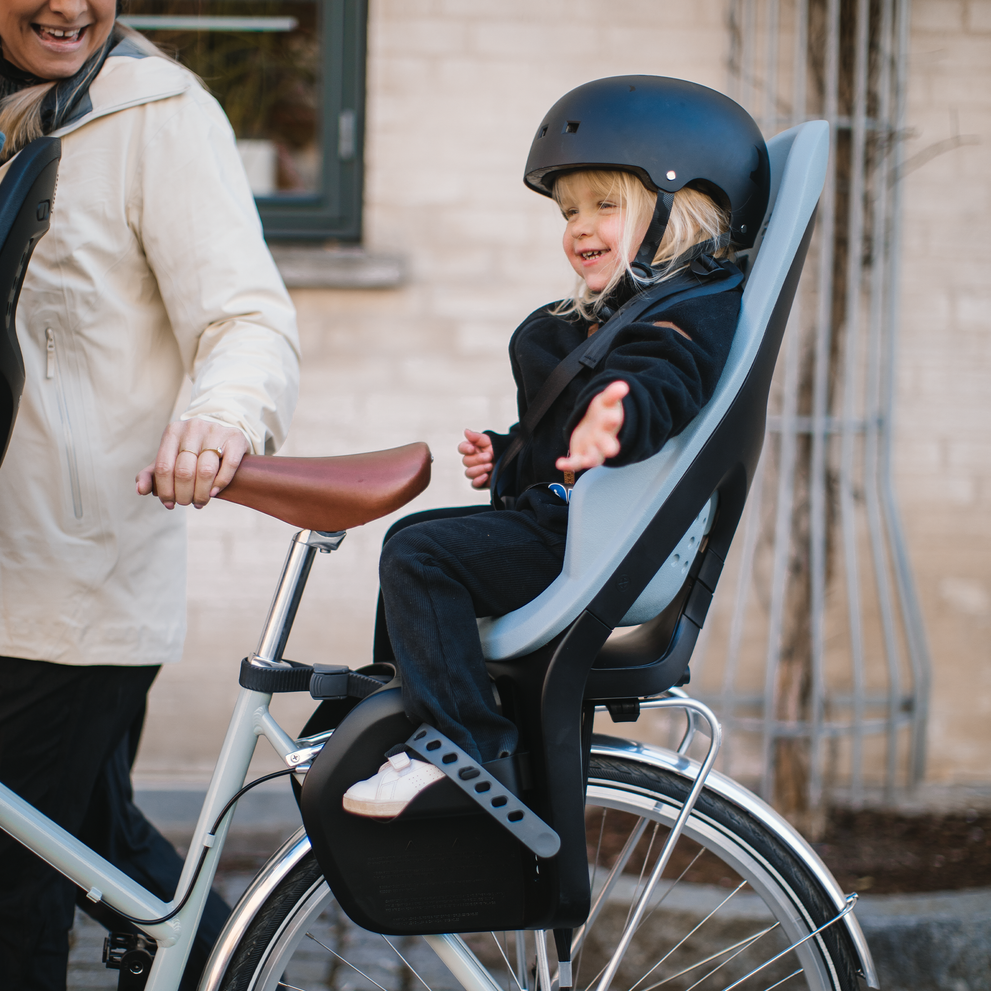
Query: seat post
x=281 y=613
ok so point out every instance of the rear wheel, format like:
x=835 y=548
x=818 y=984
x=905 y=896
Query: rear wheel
x=731 y=900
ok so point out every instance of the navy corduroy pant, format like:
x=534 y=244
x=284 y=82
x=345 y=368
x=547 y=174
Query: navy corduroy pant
x=441 y=569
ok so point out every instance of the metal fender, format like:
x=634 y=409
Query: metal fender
x=262 y=885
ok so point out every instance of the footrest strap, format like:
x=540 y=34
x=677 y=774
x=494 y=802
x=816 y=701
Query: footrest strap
x=490 y=794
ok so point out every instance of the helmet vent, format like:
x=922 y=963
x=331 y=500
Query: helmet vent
x=543 y=132
x=572 y=127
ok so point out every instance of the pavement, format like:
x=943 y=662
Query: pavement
x=926 y=942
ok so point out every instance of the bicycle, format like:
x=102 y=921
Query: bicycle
x=672 y=876
x=636 y=792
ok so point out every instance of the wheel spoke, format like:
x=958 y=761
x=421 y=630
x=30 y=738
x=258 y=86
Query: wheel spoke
x=668 y=890
x=783 y=980
x=734 y=956
x=744 y=944
x=346 y=962
x=684 y=939
x=509 y=966
x=680 y=943
x=643 y=869
x=412 y=969
x=614 y=875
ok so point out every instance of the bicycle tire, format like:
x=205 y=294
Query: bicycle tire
x=784 y=902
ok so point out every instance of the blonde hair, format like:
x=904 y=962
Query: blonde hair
x=20 y=113
x=20 y=117
x=695 y=218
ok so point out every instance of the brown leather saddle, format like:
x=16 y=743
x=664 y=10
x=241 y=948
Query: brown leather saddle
x=331 y=494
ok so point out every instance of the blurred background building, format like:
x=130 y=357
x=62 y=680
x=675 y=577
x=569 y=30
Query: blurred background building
x=848 y=647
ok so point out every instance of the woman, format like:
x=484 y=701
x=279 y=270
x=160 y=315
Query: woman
x=154 y=268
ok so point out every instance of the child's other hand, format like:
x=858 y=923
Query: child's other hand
x=595 y=437
x=477 y=457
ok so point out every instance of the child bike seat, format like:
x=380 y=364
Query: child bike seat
x=646 y=544
x=625 y=523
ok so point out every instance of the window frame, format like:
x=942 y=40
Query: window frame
x=335 y=213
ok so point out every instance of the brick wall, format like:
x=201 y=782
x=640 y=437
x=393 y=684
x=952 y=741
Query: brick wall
x=943 y=417
x=455 y=90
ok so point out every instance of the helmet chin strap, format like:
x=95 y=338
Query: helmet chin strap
x=641 y=265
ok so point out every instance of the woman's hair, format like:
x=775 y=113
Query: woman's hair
x=21 y=112
x=20 y=117
x=695 y=217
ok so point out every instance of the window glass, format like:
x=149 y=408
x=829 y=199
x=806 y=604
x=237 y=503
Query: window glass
x=261 y=59
x=290 y=77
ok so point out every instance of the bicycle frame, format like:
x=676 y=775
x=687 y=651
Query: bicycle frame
x=250 y=720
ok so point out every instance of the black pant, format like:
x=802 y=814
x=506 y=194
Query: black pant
x=68 y=738
x=438 y=571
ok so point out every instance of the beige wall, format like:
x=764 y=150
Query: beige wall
x=455 y=91
x=943 y=425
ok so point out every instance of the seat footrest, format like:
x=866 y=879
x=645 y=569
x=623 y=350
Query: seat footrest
x=490 y=794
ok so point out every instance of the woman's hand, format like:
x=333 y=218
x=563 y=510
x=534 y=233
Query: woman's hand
x=477 y=458
x=196 y=460
x=595 y=437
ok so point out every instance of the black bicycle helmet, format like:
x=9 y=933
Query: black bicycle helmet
x=671 y=133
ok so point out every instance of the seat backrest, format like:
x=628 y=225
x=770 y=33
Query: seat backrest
x=612 y=507
x=27 y=194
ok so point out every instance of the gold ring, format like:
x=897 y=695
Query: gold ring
x=219 y=451
x=186 y=450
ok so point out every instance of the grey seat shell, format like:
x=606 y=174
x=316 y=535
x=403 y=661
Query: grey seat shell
x=610 y=507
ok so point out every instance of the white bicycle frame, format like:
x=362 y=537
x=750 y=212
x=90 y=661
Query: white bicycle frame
x=250 y=720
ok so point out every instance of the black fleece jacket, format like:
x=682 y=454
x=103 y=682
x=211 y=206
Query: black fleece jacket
x=670 y=378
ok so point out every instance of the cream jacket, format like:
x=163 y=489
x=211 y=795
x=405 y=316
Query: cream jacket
x=154 y=268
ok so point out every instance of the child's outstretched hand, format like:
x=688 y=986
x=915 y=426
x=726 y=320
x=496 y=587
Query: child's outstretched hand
x=477 y=458
x=595 y=437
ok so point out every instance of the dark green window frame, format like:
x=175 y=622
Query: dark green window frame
x=332 y=210
x=336 y=212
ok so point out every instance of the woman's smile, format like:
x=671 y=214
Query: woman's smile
x=53 y=38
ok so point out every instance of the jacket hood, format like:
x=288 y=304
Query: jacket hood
x=130 y=77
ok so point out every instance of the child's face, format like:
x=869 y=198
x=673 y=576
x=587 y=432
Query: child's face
x=594 y=232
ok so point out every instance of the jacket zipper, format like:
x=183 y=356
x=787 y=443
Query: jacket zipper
x=54 y=372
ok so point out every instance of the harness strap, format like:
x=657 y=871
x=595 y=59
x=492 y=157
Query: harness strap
x=704 y=276
x=655 y=233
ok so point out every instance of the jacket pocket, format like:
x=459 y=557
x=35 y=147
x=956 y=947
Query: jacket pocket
x=54 y=371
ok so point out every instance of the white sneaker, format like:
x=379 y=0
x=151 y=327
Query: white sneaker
x=398 y=781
